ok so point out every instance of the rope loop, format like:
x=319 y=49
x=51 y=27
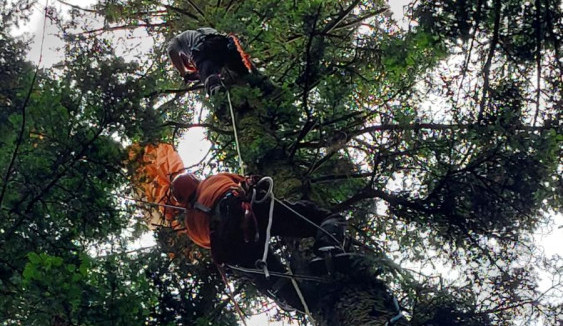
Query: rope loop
x=269 y=192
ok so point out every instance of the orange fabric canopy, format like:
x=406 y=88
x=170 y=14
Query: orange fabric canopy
x=156 y=166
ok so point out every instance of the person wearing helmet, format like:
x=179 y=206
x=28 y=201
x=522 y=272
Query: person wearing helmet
x=219 y=217
x=201 y=55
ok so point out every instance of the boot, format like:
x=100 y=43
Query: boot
x=213 y=84
x=333 y=243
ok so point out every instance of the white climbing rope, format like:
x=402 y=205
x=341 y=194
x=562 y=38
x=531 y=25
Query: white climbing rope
x=231 y=294
x=240 y=163
x=278 y=274
x=269 y=194
x=311 y=222
x=299 y=294
x=399 y=314
x=263 y=263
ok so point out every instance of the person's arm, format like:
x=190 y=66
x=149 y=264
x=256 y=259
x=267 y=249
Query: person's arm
x=177 y=61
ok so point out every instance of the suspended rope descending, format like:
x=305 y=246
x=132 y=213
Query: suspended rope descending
x=262 y=264
x=231 y=294
x=269 y=194
x=241 y=164
x=282 y=275
x=399 y=313
x=299 y=293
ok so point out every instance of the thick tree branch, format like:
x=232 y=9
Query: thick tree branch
x=429 y=126
x=174 y=91
x=195 y=125
x=341 y=177
x=123 y=27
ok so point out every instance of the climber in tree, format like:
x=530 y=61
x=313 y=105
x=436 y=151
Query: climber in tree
x=201 y=55
x=221 y=216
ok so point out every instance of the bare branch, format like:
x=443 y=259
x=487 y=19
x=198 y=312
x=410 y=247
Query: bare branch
x=343 y=14
x=174 y=91
x=123 y=27
x=78 y=7
x=195 y=125
x=487 y=68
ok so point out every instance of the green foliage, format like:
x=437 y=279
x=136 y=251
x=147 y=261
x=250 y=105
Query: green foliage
x=439 y=142
x=435 y=141
x=62 y=184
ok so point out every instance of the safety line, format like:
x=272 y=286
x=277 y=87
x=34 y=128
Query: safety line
x=311 y=222
x=282 y=275
x=300 y=294
x=264 y=265
x=241 y=164
x=153 y=204
x=231 y=294
x=269 y=194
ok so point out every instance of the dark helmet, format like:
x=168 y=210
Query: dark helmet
x=183 y=187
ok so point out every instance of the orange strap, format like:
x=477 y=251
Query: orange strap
x=245 y=57
x=249 y=218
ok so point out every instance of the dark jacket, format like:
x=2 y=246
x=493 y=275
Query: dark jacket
x=189 y=41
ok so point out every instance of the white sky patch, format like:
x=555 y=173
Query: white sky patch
x=398 y=7
x=128 y=44
x=193 y=146
x=52 y=49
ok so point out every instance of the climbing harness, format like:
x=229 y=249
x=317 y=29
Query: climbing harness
x=262 y=265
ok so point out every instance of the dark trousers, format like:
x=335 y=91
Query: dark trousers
x=230 y=245
x=233 y=245
x=215 y=53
